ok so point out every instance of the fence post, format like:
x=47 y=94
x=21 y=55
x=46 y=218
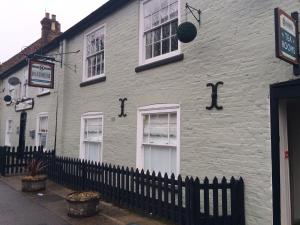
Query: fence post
x=241 y=197
x=196 y=201
x=84 y=174
x=2 y=161
x=234 y=205
x=7 y=158
x=206 y=199
x=187 y=201
x=192 y=201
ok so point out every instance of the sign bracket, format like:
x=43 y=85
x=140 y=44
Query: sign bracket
x=193 y=11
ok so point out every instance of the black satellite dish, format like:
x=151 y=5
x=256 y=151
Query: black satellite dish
x=7 y=98
x=186 y=32
x=14 y=81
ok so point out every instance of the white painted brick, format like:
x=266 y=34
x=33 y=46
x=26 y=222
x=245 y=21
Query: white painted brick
x=235 y=44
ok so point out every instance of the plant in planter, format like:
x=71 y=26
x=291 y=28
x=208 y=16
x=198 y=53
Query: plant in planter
x=83 y=204
x=34 y=181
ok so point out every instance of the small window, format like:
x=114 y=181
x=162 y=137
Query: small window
x=11 y=92
x=91 y=137
x=159 y=22
x=15 y=91
x=158 y=139
x=8 y=133
x=42 y=130
x=94 y=55
x=25 y=89
x=24 y=84
x=43 y=91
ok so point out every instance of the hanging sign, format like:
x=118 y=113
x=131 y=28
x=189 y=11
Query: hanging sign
x=24 y=104
x=41 y=74
x=286 y=37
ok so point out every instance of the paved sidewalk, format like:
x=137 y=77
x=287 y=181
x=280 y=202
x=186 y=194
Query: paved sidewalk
x=18 y=208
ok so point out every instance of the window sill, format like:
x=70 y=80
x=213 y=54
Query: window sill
x=94 y=81
x=43 y=94
x=158 y=63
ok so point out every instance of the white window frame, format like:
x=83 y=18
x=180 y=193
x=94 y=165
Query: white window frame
x=142 y=58
x=155 y=109
x=84 y=68
x=90 y=115
x=37 y=143
x=8 y=134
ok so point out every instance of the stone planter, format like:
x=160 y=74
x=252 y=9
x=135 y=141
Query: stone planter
x=36 y=183
x=83 y=204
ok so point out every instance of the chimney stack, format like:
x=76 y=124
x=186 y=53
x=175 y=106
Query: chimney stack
x=50 y=28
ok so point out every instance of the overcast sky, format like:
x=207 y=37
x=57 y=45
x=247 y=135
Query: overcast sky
x=20 y=20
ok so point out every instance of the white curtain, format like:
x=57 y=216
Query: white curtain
x=160 y=159
x=93 y=138
x=43 y=130
x=92 y=151
x=160 y=142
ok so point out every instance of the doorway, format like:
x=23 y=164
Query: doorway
x=289 y=134
x=293 y=122
x=22 y=131
x=285 y=143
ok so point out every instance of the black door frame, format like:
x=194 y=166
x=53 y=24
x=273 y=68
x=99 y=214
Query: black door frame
x=284 y=90
x=22 y=131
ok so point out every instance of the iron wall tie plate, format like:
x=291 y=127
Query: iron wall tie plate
x=214 y=96
x=122 y=100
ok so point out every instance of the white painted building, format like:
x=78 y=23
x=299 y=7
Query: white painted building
x=128 y=49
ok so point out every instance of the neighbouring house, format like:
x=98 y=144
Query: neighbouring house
x=15 y=132
x=127 y=92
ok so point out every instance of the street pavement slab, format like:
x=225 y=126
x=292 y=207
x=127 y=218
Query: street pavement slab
x=17 y=209
x=50 y=208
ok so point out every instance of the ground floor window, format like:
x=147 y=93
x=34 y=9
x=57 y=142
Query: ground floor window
x=42 y=130
x=159 y=138
x=8 y=132
x=91 y=138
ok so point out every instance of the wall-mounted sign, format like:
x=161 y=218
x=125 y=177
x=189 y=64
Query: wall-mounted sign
x=41 y=74
x=286 y=37
x=24 y=105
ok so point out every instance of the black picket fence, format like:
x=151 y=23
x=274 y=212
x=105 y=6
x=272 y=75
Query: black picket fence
x=14 y=160
x=183 y=201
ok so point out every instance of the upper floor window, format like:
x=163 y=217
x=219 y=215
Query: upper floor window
x=159 y=22
x=94 y=54
x=24 y=88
